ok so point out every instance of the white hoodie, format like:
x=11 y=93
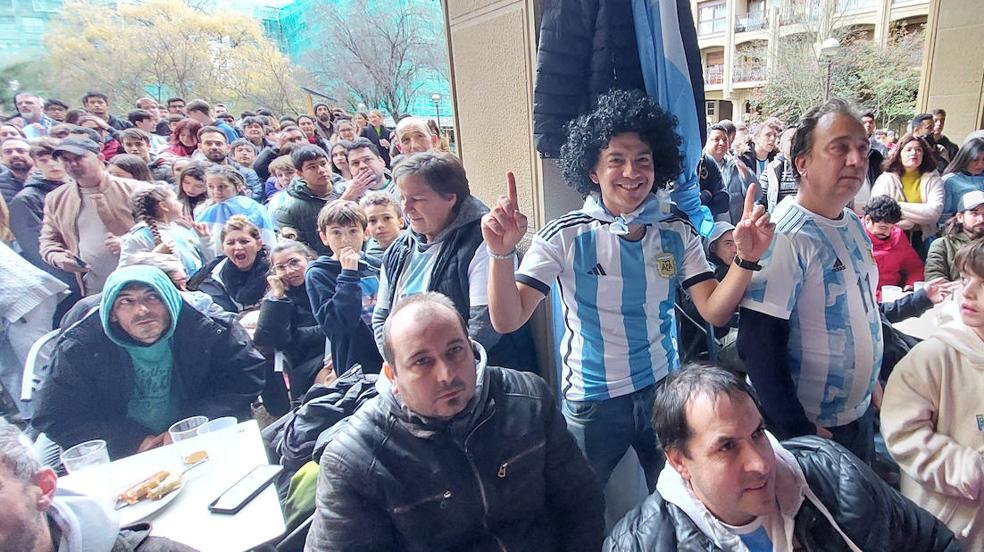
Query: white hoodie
x=85 y=526
x=932 y=418
x=791 y=490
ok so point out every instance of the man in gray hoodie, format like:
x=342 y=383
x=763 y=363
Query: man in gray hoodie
x=36 y=517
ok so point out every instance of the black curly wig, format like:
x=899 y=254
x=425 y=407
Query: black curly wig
x=618 y=112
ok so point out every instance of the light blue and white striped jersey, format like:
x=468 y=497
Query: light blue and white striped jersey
x=617 y=296
x=820 y=275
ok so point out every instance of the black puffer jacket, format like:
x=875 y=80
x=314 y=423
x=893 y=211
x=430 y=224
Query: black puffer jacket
x=216 y=372
x=288 y=325
x=587 y=47
x=872 y=514
x=232 y=289
x=511 y=478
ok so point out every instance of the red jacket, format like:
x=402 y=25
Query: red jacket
x=898 y=263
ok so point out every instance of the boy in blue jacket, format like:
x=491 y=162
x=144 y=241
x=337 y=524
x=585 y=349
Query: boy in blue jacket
x=343 y=287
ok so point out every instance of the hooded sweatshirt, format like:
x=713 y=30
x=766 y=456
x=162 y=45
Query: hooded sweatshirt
x=932 y=419
x=83 y=523
x=342 y=302
x=154 y=402
x=791 y=488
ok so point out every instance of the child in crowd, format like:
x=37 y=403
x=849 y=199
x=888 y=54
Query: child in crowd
x=192 y=192
x=282 y=171
x=898 y=263
x=243 y=152
x=286 y=322
x=343 y=287
x=930 y=413
x=225 y=193
x=385 y=221
x=236 y=280
x=162 y=228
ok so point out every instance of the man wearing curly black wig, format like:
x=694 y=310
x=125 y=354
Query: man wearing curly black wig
x=617 y=261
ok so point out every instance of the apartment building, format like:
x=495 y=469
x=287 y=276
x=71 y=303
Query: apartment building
x=736 y=38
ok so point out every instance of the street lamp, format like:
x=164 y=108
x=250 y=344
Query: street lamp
x=828 y=49
x=437 y=108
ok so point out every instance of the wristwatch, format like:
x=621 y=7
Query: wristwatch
x=747 y=265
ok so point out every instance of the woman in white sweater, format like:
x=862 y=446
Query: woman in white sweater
x=932 y=415
x=910 y=178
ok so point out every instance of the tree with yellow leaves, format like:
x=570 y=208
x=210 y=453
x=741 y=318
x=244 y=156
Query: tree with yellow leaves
x=167 y=48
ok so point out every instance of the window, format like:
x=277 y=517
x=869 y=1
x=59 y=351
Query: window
x=713 y=17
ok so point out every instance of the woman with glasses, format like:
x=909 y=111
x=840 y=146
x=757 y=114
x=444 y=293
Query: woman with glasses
x=286 y=323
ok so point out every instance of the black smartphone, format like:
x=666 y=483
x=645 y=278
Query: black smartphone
x=80 y=262
x=246 y=489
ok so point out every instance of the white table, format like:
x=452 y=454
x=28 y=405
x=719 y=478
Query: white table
x=233 y=452
x=923 y=327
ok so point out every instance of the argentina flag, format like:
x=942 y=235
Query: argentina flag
x=671 y=69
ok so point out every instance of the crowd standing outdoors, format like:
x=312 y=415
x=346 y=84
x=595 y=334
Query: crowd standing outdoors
x=197 y=263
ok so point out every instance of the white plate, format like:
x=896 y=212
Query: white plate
x=147 y=508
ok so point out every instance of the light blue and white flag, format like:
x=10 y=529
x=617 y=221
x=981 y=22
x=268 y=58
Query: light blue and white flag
x=671 y=68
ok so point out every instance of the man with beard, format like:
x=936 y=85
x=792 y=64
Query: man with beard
x=212 y=146
x=966 y=225
x=144 y=360
x=323 y=118
x=35 y=516
x=31 y=109
x=454 y=454
x=898 y=263
x=83 y=218
x=16 y=165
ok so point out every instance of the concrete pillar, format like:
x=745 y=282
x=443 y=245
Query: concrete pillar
x=492 y=48
x=883 y=21
x=953 y=66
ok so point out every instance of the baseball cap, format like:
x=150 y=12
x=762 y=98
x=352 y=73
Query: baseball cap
x=77 y=145
x=972 y=200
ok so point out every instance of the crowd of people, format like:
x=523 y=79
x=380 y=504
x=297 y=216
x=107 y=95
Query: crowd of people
x=192 y=262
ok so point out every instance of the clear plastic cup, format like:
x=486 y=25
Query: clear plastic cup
x=184 y=430
x=224 y=422
x=85 y=455
x=890 y=293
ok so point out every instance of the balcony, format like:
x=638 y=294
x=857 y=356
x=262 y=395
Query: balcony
x=851 y=5
x=749 y=73
x=748 y=23
x=714 y=74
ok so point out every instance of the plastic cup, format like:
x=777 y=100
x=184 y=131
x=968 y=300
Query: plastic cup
x=184 y=430
x=224 y=422
x=890 y=293
x=918 y=286
x=85 y=455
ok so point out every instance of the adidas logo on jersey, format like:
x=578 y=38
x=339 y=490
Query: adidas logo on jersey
x=597 y=270
x=838 y=265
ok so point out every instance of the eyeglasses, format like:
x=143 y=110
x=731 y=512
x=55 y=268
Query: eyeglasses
x=289 y=265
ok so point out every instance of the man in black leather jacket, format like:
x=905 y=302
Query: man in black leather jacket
x=456 y=455
x=729 y=485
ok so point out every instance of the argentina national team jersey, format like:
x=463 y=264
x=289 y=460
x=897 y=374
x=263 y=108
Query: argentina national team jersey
x=617 y=297
x=820 y=275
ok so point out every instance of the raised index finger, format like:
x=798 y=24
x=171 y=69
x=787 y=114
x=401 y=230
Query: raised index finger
x=511 y=190
x=749 y=200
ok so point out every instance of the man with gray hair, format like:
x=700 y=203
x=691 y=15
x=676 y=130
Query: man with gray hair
x=37 y=517
x=729 y=485
x=414 y=136
x=453 y=454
